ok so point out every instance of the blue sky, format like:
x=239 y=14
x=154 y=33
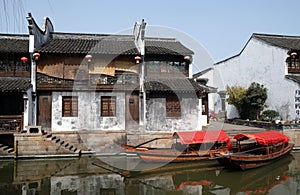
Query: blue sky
x=221 y=27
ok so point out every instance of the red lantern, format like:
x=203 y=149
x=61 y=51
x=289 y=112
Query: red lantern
x=89 y=57
x=187 y=58
x=137 y=59
x=293 y=54
x=36 y=56
x=24 y=59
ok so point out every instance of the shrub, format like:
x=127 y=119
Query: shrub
x=269 y=115
x=249 y=102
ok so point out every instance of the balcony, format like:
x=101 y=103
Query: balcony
x=45 y=82
x=14 y=69
x=293 y=65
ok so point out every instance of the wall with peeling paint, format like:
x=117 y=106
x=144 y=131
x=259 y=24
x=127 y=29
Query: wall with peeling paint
x=89 y=109
x=157 y=120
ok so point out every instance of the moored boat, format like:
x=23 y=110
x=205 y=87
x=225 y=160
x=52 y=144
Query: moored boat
x=255 y=150
x=188 y=146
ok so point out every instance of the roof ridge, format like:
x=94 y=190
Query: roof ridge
x=161 y=39
x=275 y=35
x=13 y=36
x=89 y=35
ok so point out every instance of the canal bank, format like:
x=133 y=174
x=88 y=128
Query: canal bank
x=88 y=175
x=37 y=143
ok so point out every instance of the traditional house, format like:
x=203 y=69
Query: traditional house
x=114 y=82
x=270 y=60
x=89 y=91
x=15 y=86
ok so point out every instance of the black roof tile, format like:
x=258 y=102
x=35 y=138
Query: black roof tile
x=12 y=43
x=110 y=44
x=14 y=84
x=294 y=78
x=283 y=41
x=166 y=46
x=89 y=43
x=180 y=85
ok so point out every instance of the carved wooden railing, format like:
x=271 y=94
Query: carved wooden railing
x=45 y=81
x=10 y=122
x=18 y=69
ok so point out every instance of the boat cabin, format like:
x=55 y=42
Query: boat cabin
x=265 y=143
x=200 y=140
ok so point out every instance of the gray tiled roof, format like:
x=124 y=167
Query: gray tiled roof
x=14 y=84
x=283 y=41
x=295 y=78
x=180 y=85
x=166 y=46
x=110 y=44
x=89 y=43
x=10 y=43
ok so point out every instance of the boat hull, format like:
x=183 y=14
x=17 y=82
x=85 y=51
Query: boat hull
x=244 y=162
x=171 y=155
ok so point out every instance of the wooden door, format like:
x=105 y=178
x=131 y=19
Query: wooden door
x=132 y=108
x=44 y=110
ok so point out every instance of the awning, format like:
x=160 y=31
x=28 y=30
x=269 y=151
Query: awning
x=14 y=84
x=264 y=138
x=198 y=137
x=177 y=85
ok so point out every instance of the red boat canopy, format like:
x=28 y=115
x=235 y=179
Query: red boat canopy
x=198 y=137
x=264 y=138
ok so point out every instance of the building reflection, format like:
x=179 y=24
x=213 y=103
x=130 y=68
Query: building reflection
x=89 y=175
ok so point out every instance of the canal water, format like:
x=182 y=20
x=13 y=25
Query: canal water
x=120 y=175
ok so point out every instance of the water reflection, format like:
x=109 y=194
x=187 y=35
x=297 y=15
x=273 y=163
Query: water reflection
x=89 y=175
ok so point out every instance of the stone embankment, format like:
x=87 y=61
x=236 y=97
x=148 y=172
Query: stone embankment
x=74 y=144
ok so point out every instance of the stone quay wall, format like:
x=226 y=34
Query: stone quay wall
x=164 y=140
x=70 y=144
x=31 y=145
x=294 y=135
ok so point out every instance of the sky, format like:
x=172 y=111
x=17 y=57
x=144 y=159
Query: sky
x=219 y=27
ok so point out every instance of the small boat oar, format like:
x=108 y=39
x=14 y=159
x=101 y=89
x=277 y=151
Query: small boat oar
x=149 y=141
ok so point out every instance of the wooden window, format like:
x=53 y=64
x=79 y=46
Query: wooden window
x=166 y=66
x=108 y=106
x=70 y=106
x=173 y=106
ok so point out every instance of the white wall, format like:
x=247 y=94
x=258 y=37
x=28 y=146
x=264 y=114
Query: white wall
x=89 y=109
x=262 y=63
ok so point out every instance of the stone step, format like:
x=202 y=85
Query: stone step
x=6 y=150
x=58 y=140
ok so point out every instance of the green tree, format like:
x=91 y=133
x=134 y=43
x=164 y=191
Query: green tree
x=236 y=96
x=254 y=101
x=249 y=102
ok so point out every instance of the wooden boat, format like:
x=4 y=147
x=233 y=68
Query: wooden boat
x=260 y=149
x=189 y=146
